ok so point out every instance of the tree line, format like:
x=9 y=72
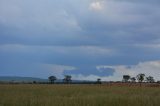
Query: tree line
x=67 y=79
x=126 y=78
x=140 y=78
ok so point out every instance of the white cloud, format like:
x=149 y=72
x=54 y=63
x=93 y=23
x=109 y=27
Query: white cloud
x=149 y=68
x=93 y=77
x=57 y=70
x=96 y=6
x=82 y=77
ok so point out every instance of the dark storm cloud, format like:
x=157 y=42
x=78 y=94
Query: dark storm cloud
x=77 y=33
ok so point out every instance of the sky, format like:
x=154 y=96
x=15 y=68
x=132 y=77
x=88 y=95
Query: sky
x=87 y=39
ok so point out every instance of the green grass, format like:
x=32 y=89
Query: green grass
x=78 y=95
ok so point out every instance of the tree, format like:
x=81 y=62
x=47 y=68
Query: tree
x=126 y=78
x=98 y=81
x=34 y=82
x=133 y=79
x=150 y=79
x=140 y=78
x=67 y=79
x=52 y=79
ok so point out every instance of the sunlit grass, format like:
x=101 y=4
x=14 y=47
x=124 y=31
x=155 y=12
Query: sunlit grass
x=78 y=95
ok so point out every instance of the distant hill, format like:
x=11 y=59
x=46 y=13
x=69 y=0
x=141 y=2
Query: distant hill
x=20 y=79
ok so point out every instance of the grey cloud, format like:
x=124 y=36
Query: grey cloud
x=68 y=32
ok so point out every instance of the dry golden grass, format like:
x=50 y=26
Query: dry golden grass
x=78 y=95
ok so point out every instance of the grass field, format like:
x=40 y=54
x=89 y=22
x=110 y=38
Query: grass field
x=78 y=95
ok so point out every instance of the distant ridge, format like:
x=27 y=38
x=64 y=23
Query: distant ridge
x=20 y=79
